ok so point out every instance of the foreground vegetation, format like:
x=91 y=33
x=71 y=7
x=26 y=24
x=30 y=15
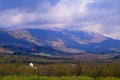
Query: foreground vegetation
x=14 y=67
x=55 y=78
x=91 y=69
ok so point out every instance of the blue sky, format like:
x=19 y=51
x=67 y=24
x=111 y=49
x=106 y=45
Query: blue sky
x=101 y=16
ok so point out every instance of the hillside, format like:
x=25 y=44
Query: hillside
x=69 y=41
x=57 y=41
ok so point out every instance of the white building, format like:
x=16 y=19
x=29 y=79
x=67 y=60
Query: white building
x=31 y=65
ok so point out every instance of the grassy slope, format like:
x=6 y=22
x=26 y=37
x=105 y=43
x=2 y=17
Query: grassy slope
x=54 y=78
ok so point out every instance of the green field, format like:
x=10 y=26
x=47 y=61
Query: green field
x=55 y=78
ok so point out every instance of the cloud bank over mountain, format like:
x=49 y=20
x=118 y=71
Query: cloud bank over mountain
x=100 y=16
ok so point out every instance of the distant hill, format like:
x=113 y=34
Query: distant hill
x=115 y=57
x=58 y=41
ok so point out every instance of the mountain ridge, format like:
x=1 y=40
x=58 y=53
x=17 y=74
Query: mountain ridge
x=65 y=40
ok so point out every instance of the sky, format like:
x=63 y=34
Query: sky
x=101 y=16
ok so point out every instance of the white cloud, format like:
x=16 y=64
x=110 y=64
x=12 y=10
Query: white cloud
x=91 y=15
x=68 y=10
x=92 y=27
x=65 y=11
x=113 y=32
x=17 y=19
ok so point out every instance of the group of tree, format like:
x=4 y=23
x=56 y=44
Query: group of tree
x=93 y=69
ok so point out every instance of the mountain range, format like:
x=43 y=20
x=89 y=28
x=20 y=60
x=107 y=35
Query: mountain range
x=57 y=42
